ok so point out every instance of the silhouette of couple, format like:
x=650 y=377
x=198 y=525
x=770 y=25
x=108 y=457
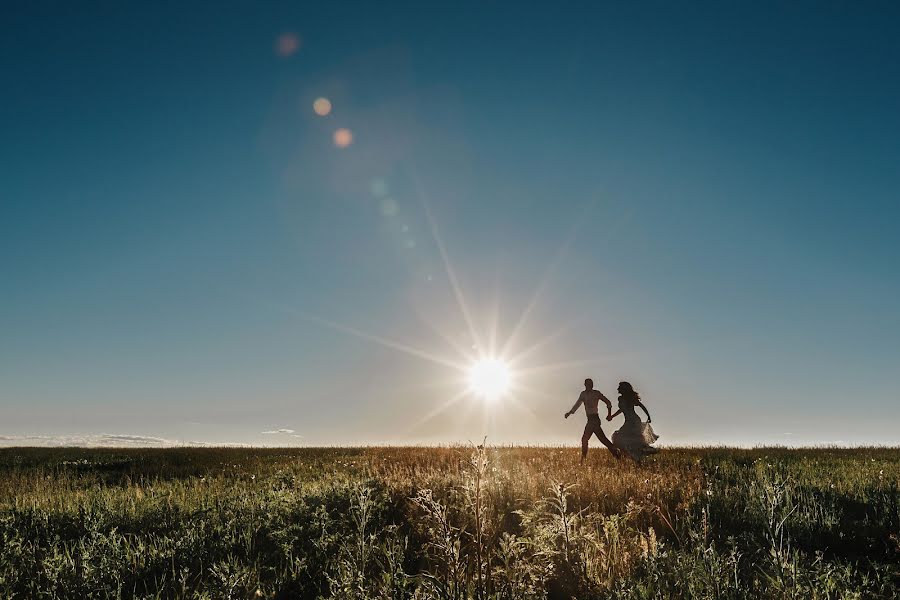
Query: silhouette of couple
x=634 y=437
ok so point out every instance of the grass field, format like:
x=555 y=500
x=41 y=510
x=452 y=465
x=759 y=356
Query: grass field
x=448 y=523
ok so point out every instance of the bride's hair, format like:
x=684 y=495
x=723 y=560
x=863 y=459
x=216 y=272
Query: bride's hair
x=628 y=392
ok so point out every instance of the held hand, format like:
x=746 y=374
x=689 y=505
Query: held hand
x=609 y=417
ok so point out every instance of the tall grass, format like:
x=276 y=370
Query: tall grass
x=449 y=523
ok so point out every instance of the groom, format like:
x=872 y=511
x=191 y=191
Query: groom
x=591 y=399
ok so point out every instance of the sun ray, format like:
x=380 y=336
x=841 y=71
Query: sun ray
x=560 y=366
x=547 y=277
x=437 y=410
x=463 y=351
x=428 y=387
x=559 y=332
x=494 y=324
x=488 y=423
x=380 y=340
x=520 y=387
x=448 y=267
x=388 y=343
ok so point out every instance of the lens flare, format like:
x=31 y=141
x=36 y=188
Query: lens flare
x=322 y=106
x=343 y=137
x=287 y=44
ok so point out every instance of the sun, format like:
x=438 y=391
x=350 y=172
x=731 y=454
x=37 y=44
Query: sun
x=489 y=378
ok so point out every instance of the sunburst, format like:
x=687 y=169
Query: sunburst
x=493 y=370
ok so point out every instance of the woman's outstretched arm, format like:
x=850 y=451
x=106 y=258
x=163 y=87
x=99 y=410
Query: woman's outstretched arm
x=615 y=414
x=644 y=408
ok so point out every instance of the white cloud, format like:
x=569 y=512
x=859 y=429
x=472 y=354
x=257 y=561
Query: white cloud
x=100 y=440
x=120 y=440
x=282 y=431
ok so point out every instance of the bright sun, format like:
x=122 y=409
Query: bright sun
x=489 y=378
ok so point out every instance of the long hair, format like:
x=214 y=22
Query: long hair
x=629 y=393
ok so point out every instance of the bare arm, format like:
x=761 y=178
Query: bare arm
x=644 y=408
x=614 y=415
x=574 y=408
x=608 y=406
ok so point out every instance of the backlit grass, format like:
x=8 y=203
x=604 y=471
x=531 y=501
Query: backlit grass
x=448 y=523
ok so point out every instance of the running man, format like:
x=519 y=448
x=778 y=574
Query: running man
x=591 y=399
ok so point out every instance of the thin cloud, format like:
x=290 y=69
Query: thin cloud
x=101 y=440
x=282 y=431
x=134 y=439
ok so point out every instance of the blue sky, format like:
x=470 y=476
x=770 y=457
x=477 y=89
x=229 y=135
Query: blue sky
x=701 y=199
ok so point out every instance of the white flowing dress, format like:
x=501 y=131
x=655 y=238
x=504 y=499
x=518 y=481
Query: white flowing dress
x=634 y=436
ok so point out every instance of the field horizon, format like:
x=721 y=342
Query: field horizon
x=451 y=445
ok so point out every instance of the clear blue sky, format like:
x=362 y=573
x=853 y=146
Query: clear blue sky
x=702 y=199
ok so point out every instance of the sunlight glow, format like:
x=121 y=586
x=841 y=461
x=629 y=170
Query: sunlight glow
x=493 y=364
x=489 y=378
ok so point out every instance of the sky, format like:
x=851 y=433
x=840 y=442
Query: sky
x=700 y=198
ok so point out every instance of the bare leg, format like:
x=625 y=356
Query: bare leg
x=605 y=441
x=585 y=438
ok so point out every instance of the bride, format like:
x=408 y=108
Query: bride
x=634 y=436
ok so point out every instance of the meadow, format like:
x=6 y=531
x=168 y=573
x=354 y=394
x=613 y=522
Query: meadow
x=448 y=523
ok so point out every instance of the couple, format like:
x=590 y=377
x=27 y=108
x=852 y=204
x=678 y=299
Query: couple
x=634 y=437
